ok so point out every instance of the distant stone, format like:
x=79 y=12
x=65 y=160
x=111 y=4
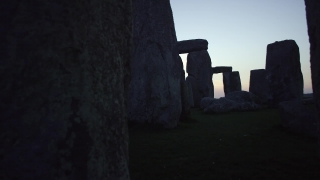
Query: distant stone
x=154 y=92
x=259 y=84
x=190 y=93
x=298 y=118
x=231 y=82
x=221 y=69
x=234 y=101
x=284 y=74
x=199 y=67
x=192 y=45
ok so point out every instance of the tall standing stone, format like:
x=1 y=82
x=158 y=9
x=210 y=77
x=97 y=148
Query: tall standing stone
x=231 y=82
x=190 y=93
x=284 y=72
x=63 y=69
x=199 y=70
x=154 y=93
x=259 y=84
x=313 y=22
x=185 y=104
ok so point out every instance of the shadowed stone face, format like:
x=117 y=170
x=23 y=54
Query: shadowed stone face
x=192 y=45
x=62 y=101
x=313 y=22
x=231 y=82
x=259 y=84
x=154 y=95
x=283 y=72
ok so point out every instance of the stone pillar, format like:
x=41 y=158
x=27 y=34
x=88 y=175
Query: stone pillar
x=283 y=72
x=63 y=67
x=154 y=93
x=190 y=93
x=199 y=70
x=231 y=82
x=184 y=98
x=313 y=22
x=259 y=84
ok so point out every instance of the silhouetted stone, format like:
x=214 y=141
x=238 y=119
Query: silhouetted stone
x=313 y=22
x=64 y=71
x=231 y=82
x=155 y=95
x=283 y=72
x=221 y=69
x=298 y=118
x=192 y=45
x=259 y=84
x=185 y=112
x=190 y=93
x=199 y=67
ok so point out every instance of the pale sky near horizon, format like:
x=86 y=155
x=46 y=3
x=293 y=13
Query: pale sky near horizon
x=238 y=33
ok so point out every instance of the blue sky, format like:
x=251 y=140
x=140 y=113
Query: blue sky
x=238 y=32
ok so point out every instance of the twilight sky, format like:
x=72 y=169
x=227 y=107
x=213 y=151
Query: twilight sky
x=238 y=32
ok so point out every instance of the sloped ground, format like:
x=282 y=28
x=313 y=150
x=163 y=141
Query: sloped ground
x=237 y=145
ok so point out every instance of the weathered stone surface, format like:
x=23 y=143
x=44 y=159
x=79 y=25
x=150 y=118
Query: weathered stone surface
x=154 y=93
x=234 y=101
x=199 y=67
x=221 y=69
x=298 y=118
x=62 y=101
x=313 y=22
x=259 y=84
x=192 y=45
x=190 y=93
x=231 y=82
x=283 y=72
x=185 y=105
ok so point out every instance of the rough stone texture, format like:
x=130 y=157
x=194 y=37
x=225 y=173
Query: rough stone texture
x=298 y=118
x=283 y=72
x=154 y=93
x=199 y=68
x=63 y=71
x=192 y=45
x=234 y=101
x=185 y=105
x=221 y=69
x=190 y=93
x=259 y=84
x=313 y=22
x=231 y=82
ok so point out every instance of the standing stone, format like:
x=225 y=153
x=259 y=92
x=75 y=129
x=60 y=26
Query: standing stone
x=283 y=72
x=199 y=68
x=231 y=82
x=313 y=22
x=192 y=45
x=154 y=93
x=259 y=84
x=190 y=93
x=185 y=113
x=63 y=70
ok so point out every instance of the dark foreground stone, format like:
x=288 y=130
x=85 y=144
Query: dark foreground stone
x=313 y=22
x=62 y=101
x=231 y=82
x=283 y=72
x=298 y=118
x=259 y=84
x=192 y=45
x=155 y=95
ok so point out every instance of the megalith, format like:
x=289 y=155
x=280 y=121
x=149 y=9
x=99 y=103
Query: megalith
x=154 y=92
x=221 y=69
x=185 y=104
x=190 y=93
x=64 y=68
x=192 y=45
x=199 y=70
x=313 y=22
x=259 y=84
x=231 y=82
x=284 y=74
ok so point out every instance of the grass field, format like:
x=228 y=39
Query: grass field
x=237 y=145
